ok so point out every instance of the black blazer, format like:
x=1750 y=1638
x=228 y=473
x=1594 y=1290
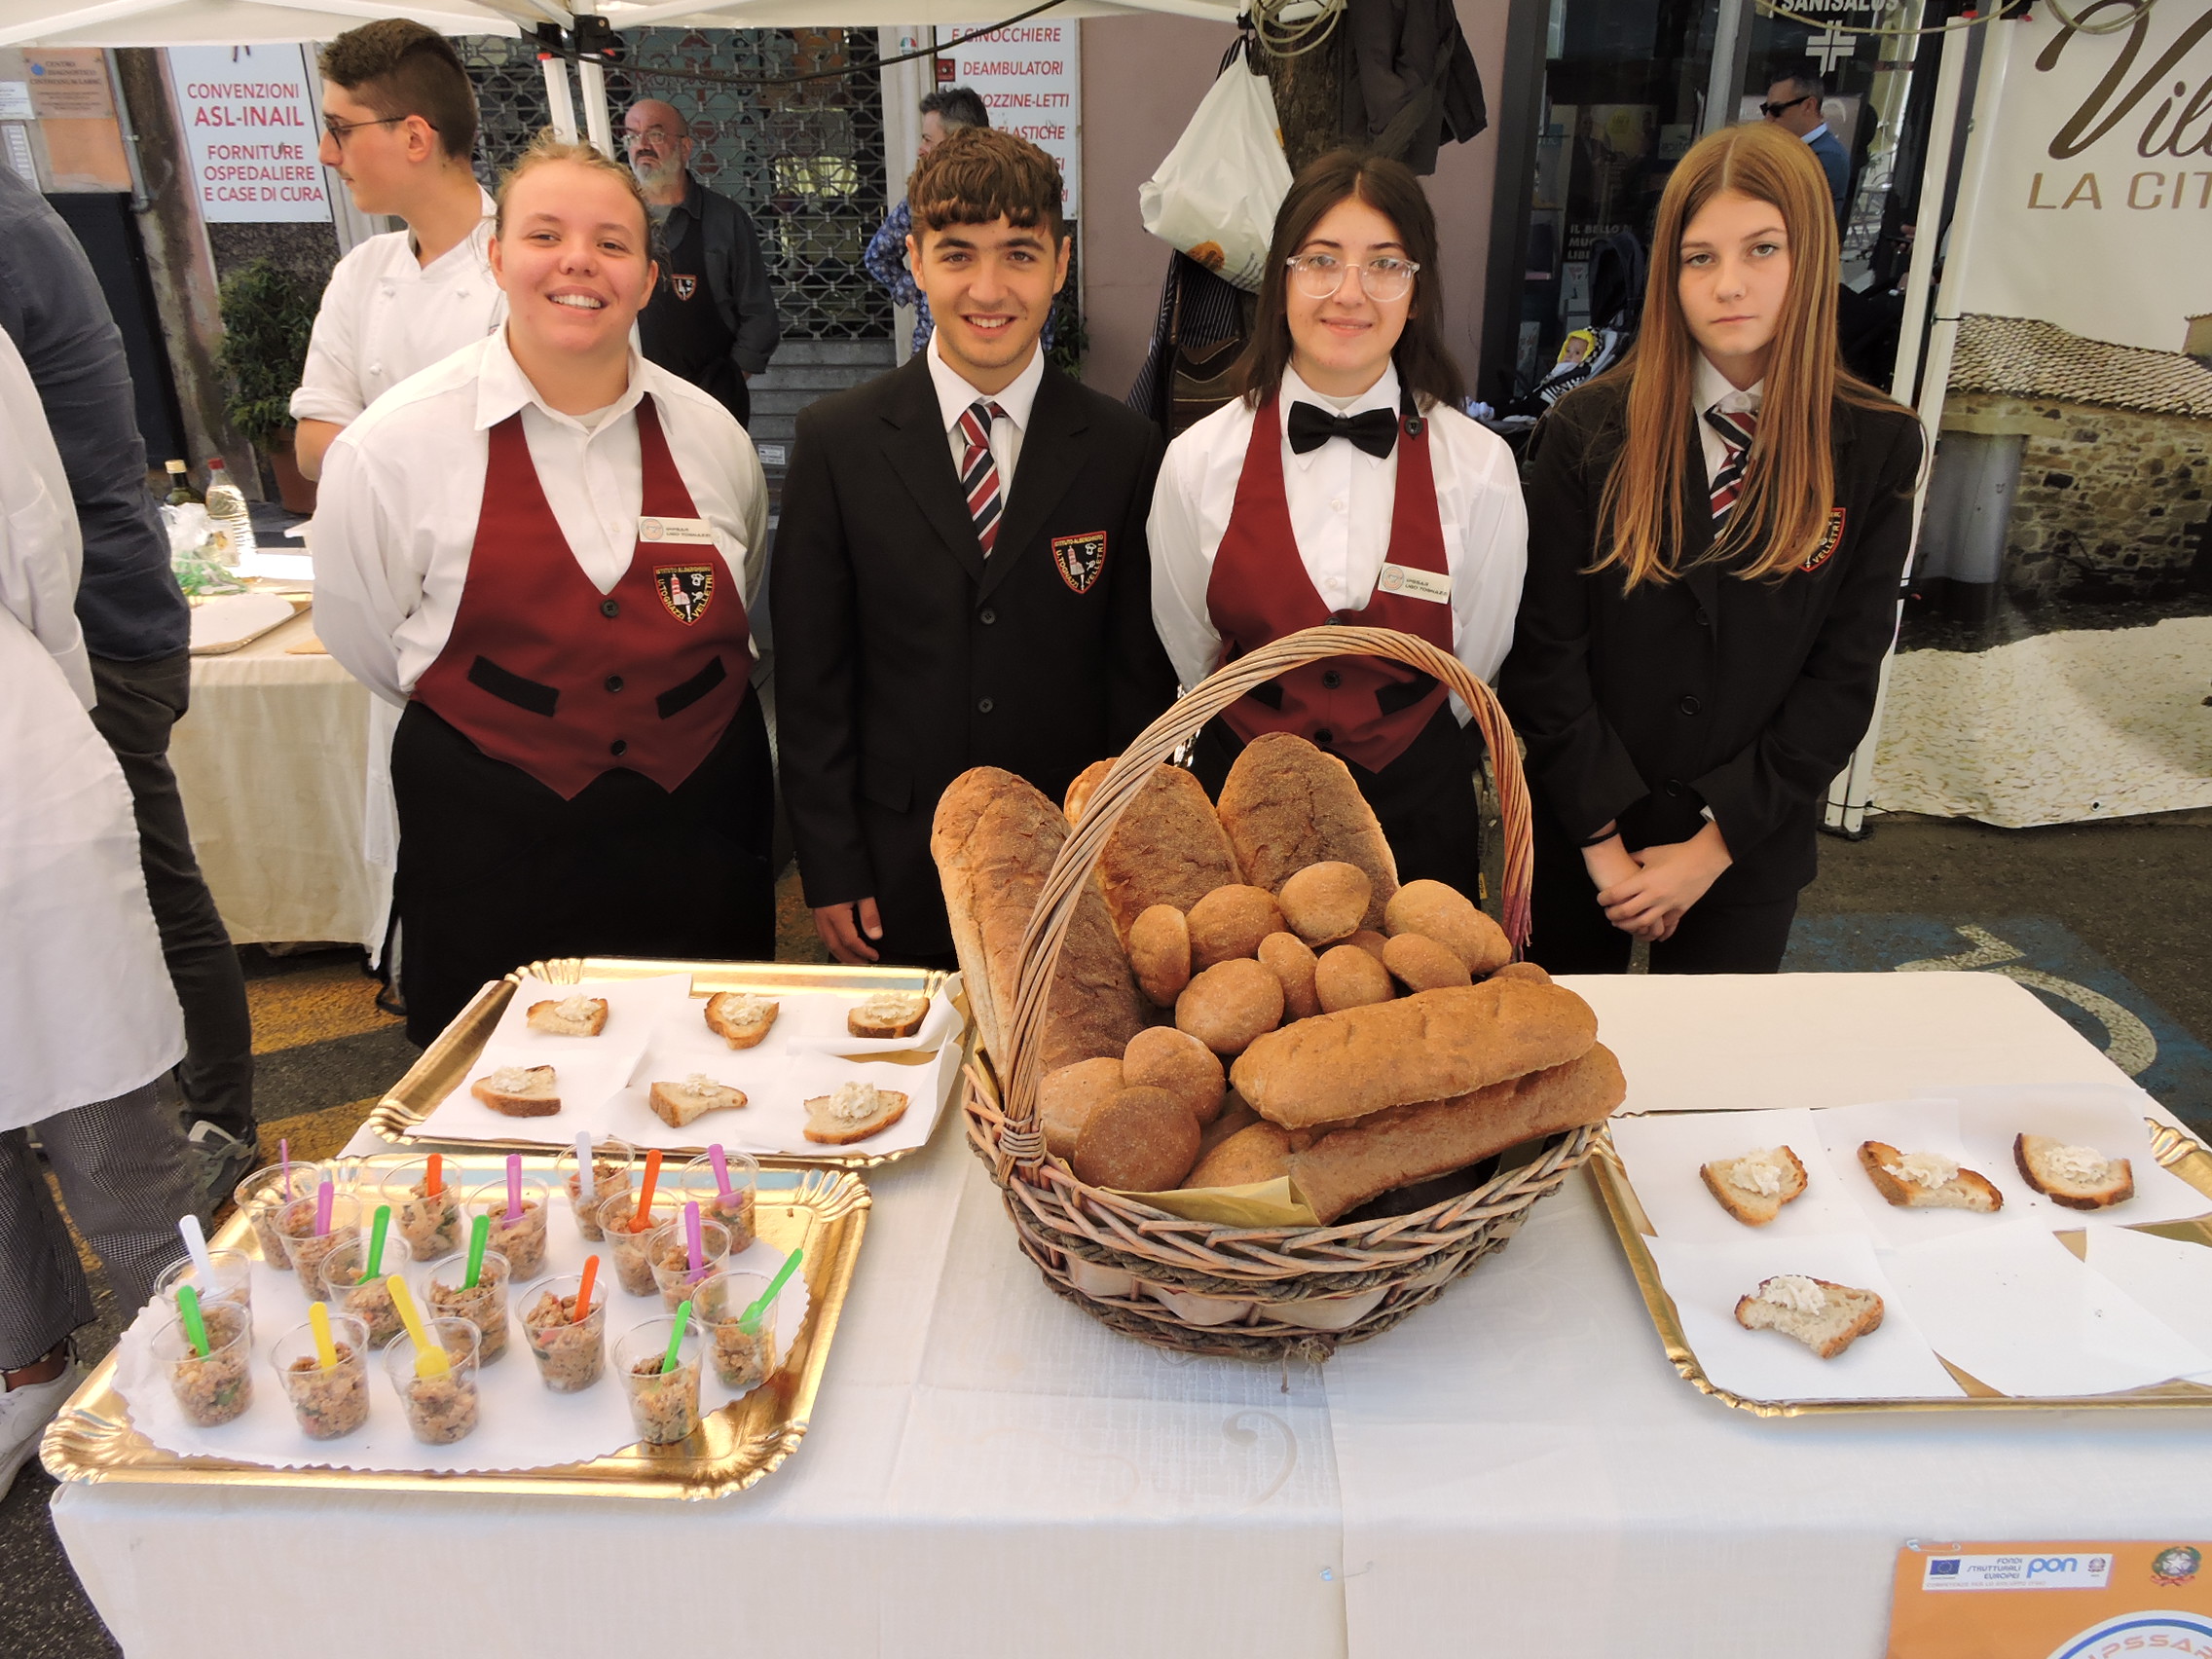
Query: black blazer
x=1747 y=697
x=903 y=659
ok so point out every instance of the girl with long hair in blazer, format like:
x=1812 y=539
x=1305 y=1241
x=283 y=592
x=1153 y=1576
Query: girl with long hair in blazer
x=1720 y=523
x=1346 y=486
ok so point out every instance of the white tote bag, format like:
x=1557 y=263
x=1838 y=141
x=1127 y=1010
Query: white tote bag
x=1216 y=195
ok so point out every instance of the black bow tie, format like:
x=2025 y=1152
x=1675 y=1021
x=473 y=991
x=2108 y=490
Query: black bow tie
x=1311 y=426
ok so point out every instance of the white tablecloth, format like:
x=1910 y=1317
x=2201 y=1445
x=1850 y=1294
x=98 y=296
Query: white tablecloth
x=270 y=761
x=1515 y=1470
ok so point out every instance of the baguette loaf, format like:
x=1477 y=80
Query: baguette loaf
x=994 y=838
x=1348 y=1166
x=1431 y=1046
x=1167 y=848
x=1285 y=805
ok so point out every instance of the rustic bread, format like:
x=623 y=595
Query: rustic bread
x=853 y=1113
x=1080 y=790
x=1164 y=1057
x=1420 y=964
x=1066 y=1098
x=1234 y=1116
x=1230 y=1005
x=1286 y=805
x=1825 y=1317
x=1528 y=971
x=519 y=1092
x=1326 y=902
x=888 y=1013
x=994 y=837
x=2080 y=1177
x=1431 y=1046
x=1159 y=953
x=1260 y=1152
x=1373 y=944
x=1230 y=921
x=1143 y=1140
x=1926 y=1181
x=1754 y=1187
x=677 y=1104
x=1167 y=847
x=1444 y=913
x=740 y=1019
x=1347 y=1166
x=1292 y=961
x=1349 y=976
x=575 y=1016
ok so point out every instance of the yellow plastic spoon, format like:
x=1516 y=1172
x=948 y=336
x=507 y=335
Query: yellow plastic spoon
x=430 y=1358
x=318 y=1321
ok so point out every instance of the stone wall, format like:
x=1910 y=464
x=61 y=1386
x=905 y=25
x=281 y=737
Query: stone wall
x=2111 y=503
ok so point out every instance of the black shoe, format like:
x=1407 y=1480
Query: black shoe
x=224 y=1162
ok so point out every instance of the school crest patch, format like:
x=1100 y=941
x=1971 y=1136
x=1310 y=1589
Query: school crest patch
x=1830 y=539
x=1080 y=558
x=684 y=286
x=685 y=589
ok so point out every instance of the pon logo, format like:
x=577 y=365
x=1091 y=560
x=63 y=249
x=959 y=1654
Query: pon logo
x=2159 y=1634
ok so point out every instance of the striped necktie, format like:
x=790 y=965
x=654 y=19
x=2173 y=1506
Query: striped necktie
x=1736 y=429
x=979 y=470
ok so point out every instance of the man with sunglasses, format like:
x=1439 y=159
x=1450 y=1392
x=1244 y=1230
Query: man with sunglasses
x=1793 y=104
x=399 y=126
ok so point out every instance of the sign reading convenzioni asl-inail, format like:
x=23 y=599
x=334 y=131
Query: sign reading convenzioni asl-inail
x=252 y=122
x=1030 y=78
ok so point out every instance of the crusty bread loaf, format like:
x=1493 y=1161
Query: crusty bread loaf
x=1373 y=944
x=1066 y=1098
x=1444 y=913
x=1429 y=1047
x=1894 y=1179
x=1234 y=1116
x=1348 y=976
x=1292 y=961
x=1143 y=1140
x=2080 y=1177
x=1347 y=1166
x=1164 y=1057
x=1528 y=971
x=1080 y=790
x=1230 y=921
x=519 y=1092
x=994 y=837
x=1159 y=953
x=1420 y=964
x=1741 y=1184
x=1326 y=902
x=1846 y=1314
x=1230 y=1005
x=1166 y=848
x=1286 y=805
x=1259 y=1153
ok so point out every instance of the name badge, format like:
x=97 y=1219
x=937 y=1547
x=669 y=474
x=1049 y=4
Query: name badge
x=1415 y=585
x=692 y=530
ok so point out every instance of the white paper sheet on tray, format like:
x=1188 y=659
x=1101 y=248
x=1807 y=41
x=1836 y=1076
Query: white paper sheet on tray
x=1664 y=1151
x=1893 y=1362
x=635 y=1010
x=817 y=1024
x=2106 y=1115
x=2170 y=1277
x=522 y=1424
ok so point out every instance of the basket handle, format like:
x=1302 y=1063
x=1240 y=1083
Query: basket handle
x=1020 y=1138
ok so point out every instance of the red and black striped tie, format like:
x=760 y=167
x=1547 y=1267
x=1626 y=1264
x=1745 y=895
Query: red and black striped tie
x=979 y=470
x=1736 y=429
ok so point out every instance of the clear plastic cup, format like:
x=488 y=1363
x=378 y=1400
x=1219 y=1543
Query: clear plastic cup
x=303 y=1246
x=329 y=1404
x=216 y=1387
x=633 y=1263
x=370 y=1302
x=663 y=1405
x=522 y=1240
x=234 y=1279
x=440 y=1287
x=440 y=1410
x=570 y=1353
x=612 y=1162
x=735 y=1212
x=431 y=1224
x=742 y=1359
x=262 y=1193
x=670 y=1253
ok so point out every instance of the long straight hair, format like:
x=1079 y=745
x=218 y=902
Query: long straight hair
x=1790 y=478
x=1424 y=364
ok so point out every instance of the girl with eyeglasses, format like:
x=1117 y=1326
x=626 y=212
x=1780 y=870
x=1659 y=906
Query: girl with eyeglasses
x=1346 y=486
x=1721 y=523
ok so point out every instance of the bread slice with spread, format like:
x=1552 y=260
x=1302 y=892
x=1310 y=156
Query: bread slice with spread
x=1926 y=1180
x=2080 y=1177
x=1754 y=1186
x=1825 y=1317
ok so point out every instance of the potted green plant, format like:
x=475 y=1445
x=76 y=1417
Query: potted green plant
x=268 y=314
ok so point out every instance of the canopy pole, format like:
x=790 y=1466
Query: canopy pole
x=557 y=101
x=593 y=79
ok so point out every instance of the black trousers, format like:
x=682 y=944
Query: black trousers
x=497 y=870
x=139 y=704
x=1571 y=935
x=1425 y=799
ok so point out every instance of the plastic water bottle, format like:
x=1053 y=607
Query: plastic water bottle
x=233 y=525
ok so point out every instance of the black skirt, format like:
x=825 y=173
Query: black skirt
x=495 y=870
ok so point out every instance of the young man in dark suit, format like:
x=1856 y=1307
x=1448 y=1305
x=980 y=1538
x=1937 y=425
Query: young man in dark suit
x=960 y=577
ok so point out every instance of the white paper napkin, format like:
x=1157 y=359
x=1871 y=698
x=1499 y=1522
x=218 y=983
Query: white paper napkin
x=2170 y=1278
x=1663 y=1153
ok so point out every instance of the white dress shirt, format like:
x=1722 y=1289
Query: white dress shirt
x=403 y=487
x=954 y=395
x=386 y=315
x=1710 y=389
x=1341 y=500
x=45 y=552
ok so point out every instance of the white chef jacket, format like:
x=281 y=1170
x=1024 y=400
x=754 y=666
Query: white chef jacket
x=386 y=316
x=1340 y=500
x=954 y=395
x=87 y=1011
x=1710 y=389
x=396 y=518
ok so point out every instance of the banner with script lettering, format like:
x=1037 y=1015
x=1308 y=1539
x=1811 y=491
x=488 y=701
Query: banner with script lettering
x=2057 y=649
x=2067 y=1601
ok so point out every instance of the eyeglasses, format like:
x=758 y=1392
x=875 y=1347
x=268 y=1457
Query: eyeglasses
x=338 y=130
x=656 y=135
x=1773 y=110
x=1318 y=276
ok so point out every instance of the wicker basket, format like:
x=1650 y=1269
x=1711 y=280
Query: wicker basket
x=1258 y=1292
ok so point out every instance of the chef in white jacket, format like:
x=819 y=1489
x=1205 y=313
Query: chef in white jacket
x=88 y=1023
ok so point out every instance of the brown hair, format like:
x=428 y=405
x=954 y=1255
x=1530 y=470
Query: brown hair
x=1424 y=364
x=399 y=68
x=549 y=147
x=1789 y=481
x=979 y=174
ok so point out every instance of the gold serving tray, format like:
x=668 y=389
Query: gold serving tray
x=2172 y=1147
x=399 y=1117
x=823 y=1212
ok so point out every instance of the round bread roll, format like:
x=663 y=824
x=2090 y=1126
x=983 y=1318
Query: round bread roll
x=1164 y=1057
x=1143 y=1140
x=1324 y=902
x=1259 y=1153
x=1522 y=971
x=1159 y=951
x=1291 y=959
x=1232 y=1006
x=1371 y=942
x=1230 y=921
x=1066 y=1098
x=1348 y=976
x=1450 y=917
x=1420 y=964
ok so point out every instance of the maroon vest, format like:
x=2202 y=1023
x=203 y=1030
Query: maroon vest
x=1361 y=708
x=546 y=673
